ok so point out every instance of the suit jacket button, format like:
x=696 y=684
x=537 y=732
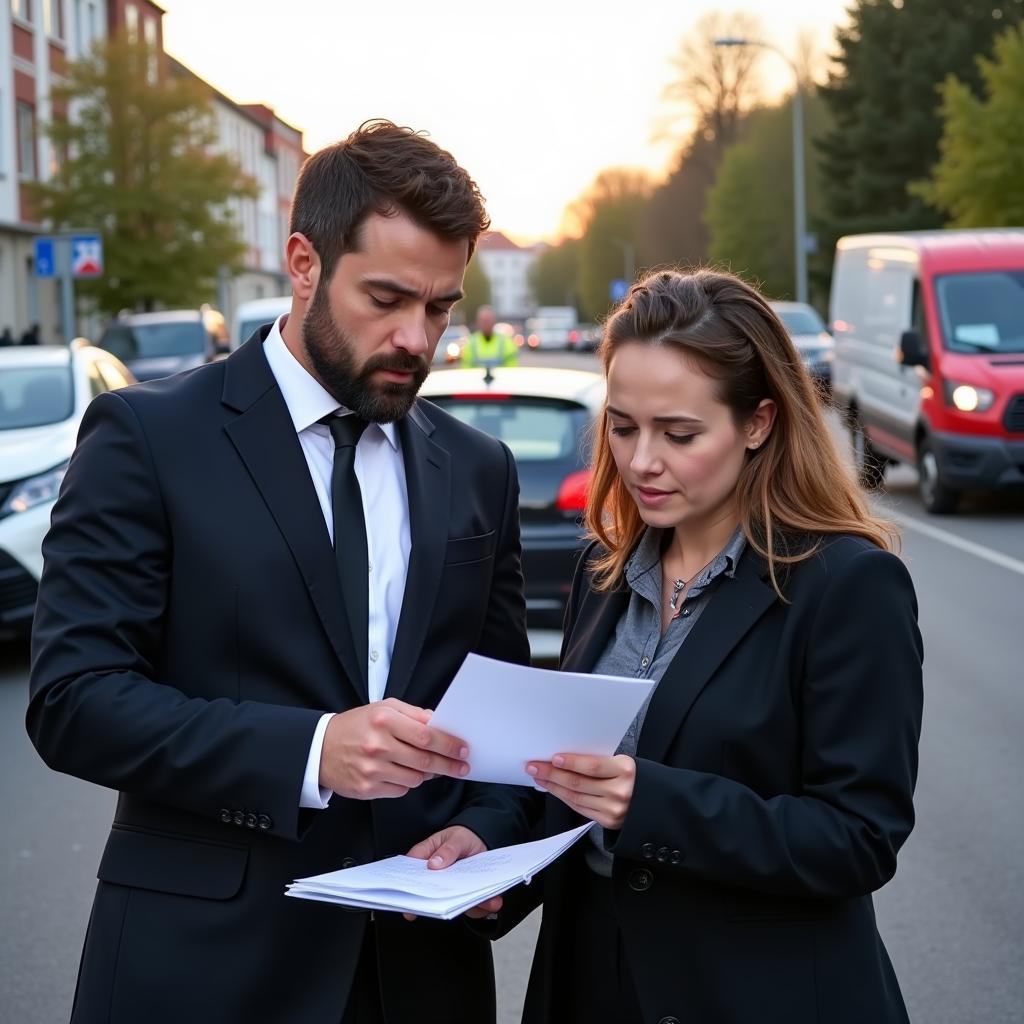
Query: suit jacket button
x=676 y=857
x=647 y=851
x=640 y=880
x=250 y=820
x=238 y=817
x=225 y=815
x=349 y=862
x=264 y=822
x=662 y=854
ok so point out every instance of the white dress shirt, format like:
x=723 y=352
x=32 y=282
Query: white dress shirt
x=381 y=475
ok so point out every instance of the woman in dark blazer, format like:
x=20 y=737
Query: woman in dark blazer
x=764 y=792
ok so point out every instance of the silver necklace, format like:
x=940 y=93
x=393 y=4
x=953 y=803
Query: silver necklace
x=678 y=586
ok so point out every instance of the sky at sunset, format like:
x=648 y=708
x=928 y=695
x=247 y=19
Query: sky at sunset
x=534 y=98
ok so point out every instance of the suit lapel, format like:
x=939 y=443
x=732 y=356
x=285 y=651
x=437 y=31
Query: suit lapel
x=265 y=438
x=428 y=479
x=595 y=624
x=739 y=602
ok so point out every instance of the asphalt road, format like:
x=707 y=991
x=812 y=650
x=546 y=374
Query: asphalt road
x=952 y=917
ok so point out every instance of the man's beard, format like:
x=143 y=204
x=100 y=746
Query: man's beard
x=331 y=353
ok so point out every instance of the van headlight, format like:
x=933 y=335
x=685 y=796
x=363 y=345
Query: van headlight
x=36 y=490
x=968 y=398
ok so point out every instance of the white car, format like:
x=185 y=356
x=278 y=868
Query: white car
x=252 y=315
x=44 y=391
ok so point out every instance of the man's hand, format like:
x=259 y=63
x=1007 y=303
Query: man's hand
x=443 y=849
x=599 y=788
x=385 y=749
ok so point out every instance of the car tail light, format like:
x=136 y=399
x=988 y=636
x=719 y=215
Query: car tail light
x=572 y=495
x=533 y=341
x=574 y=336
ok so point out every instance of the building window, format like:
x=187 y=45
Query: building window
x=22 y=9
x=131 y=23
x=53 y=12
x=152 y=66
x=26 y=140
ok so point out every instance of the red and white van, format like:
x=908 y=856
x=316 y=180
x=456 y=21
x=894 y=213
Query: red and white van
x=929 y=357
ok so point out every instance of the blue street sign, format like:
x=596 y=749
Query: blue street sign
x=87 y=256
x=46 y=265
x=618 y=289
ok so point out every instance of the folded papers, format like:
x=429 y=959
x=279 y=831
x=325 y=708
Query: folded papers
x=407 y=885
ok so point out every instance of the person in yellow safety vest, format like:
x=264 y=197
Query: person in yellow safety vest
x=487 y=348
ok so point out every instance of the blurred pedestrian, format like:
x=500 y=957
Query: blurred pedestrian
x=254 y=681
x=763 y=794
x=487 y=347
x=6 y=338
x=31 y=336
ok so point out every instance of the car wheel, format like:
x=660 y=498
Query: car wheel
x=936 y=496
x=869 y=464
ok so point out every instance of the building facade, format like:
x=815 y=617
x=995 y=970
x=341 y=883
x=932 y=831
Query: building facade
x=507 y=267
x=37 y=40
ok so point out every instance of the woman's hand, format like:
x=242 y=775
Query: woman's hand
x=599 y=788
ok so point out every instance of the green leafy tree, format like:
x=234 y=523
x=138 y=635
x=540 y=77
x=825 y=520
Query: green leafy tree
x=979 y=179
x=610 y=212
x=553 y=274
x=477 y=288
x=882 y=95
x=750 y=205
x=139 y=165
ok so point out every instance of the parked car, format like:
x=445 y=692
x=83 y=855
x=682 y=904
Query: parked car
x=252 y=315
x=544 y=415
x=155 y=345
x=550 y=327
x=44 y=392
x=812 y=340
x=929 y=358
x=450 y=346
x=585 y=338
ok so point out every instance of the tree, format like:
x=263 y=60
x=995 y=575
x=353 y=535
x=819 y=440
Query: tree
x=979 y=179
x=477 y=288
x=716 y=85
x=139 y=166
x=553 y=274
x=882 y=95
x=750 y=205
x=610 y=212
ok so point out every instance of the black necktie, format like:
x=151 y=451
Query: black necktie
x=350 y=548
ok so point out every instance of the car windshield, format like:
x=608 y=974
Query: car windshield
x=982 y=312
x=800 y=321
x=151 y=341
x=247 y=328
x=535 y=430
x=33 y=396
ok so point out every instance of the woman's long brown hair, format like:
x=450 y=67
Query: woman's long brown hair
x=793 y=490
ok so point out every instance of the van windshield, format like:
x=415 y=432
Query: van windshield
x=982 y=312
x=153 y=340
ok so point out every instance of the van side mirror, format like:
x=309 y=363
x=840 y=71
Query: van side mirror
x=912 y=352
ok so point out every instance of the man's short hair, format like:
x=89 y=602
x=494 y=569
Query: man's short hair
x=386 y=169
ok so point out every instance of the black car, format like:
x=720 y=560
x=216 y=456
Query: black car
x=544 y=415
x=812 y=341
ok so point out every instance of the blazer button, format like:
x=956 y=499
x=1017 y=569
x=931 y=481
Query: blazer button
x=264 y=822
x=349 y=862
x=238 y=818
x=647 y=851
x=662 y=854
x=250 y=820
x=225 y=815
x=676 y=857
x=640 y=880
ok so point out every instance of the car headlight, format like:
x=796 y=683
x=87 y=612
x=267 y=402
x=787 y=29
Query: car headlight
x=453 y=351
x=36 y=490
x=968 y=398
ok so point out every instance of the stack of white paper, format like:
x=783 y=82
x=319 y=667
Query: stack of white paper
x=408 y=885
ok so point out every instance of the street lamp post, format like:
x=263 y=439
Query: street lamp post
x=799 y=193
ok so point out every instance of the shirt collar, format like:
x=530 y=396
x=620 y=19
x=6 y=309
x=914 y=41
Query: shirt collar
x=308 y=401
x=647 y=557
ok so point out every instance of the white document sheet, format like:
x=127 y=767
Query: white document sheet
x=406 y=884
x=511 y=714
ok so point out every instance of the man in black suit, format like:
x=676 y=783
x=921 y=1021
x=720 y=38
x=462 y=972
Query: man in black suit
x=256 y=693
